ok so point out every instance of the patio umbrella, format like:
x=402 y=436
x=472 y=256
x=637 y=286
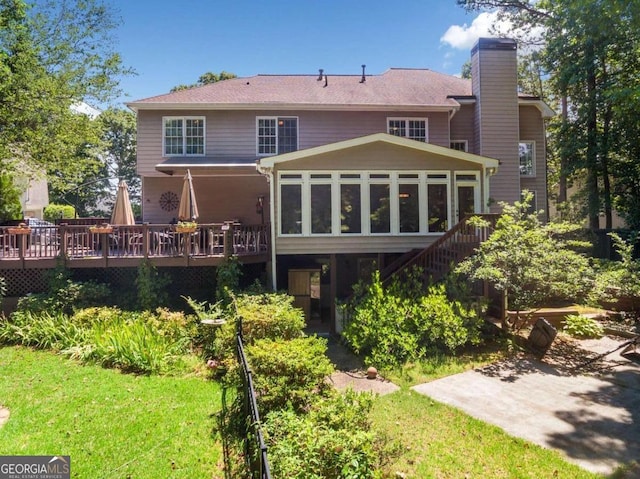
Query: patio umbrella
x=122 y=213
x=188 y=209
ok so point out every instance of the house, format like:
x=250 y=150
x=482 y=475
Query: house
x=350 y=171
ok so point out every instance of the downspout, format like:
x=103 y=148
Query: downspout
x=268 y=172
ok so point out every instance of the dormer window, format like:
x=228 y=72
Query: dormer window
x=183 y=136
x=276 y=135
x=414 y=128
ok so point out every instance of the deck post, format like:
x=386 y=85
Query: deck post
x=145 y=240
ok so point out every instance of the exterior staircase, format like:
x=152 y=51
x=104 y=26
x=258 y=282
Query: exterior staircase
x=438 y=258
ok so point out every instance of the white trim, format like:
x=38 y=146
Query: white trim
x=545 y=109
x=418 y=108
x=477 y=208
x=485 y=161
x=406 y=121
x=305 y=179
x=533 y=158
x=465 y=142
x=184 y=135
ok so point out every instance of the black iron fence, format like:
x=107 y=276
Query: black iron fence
x=255 y=448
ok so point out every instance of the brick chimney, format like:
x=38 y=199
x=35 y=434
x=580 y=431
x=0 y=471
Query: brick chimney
x=494 y=77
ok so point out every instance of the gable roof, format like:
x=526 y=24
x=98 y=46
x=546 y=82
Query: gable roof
x=271 y=161
x=397 y=87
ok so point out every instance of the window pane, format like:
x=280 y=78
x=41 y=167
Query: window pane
x=287 y=135
x=194 y=136
x=350 y=209
x=437 y=208
x=397 y=128
x=409 y=209
x=321 y=209
x=417 y=130
x=291 y=196
x=526 y=158
x=267 y=136
x=379 y=208
x=173 y=136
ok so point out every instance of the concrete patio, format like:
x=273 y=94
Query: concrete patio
x=590 y=413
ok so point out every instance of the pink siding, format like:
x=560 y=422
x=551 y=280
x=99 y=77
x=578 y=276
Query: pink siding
x=232 y=134
x=532 y=129
x=497 y=133
x=219 y=198
x=462 y=127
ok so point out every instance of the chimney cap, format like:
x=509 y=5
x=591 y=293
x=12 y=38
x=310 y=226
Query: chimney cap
x=494 y=44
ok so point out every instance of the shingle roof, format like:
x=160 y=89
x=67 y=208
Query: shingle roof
x=395 y=87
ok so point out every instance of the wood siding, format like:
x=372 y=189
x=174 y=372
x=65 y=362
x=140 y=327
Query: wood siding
x=232 y=134
x=219 y=198
x=462 y=127
x=494 y=75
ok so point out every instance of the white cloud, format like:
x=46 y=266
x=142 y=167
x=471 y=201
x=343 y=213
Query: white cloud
x=484 y=25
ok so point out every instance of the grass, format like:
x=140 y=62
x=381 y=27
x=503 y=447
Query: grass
x=112 y=425
x=442 y=442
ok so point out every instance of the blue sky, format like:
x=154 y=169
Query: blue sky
x=172 y=42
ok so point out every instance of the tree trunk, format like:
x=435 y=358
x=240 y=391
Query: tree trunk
x=592 y=138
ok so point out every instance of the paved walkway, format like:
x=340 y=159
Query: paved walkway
x=591 y=414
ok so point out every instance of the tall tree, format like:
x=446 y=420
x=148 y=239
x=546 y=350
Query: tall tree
x=53 y=55
x=590 y=50
x=118 y=135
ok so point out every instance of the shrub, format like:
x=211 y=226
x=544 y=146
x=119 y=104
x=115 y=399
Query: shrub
x=402 y=323
x=228 y=279
x=582 y=327
x=136 y=342
x=332 y=441
x=41 y=330
x=289 y=373
x=54 y=212
x=151 y=286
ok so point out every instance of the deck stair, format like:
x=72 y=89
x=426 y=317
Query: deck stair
x=437 y=259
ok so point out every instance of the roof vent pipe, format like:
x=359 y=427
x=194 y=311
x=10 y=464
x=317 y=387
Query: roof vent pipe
x=320 y=76
x=364 y=78
x=326 y=81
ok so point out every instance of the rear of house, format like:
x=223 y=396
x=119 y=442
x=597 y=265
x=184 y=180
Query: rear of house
x=350 y=171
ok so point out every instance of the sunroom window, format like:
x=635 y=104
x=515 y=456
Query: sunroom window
x=364 y=203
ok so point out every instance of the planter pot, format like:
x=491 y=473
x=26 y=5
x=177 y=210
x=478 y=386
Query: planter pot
x=19 y=231
x=185 y=229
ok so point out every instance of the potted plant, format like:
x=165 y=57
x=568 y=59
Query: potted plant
x=101 y=228
x=186 y=226
x=21 y=229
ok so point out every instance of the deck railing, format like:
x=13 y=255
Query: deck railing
x=145 y=240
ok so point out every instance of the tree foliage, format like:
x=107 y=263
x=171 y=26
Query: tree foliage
x=533 y=264
x=205 y=79
x=590 y=63
x=54 y=55
x=10 y=206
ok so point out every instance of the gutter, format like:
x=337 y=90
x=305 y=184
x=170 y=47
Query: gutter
x=268 y=172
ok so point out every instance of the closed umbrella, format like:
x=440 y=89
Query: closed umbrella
x=122 y=213
x=188 y=209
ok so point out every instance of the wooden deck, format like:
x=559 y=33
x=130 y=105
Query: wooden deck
x=81 y=246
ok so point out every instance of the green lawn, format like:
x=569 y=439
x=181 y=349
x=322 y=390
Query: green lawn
x=442 y=442
x=112 y=425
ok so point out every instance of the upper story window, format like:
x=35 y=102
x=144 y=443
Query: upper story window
x=414 y=128
x=183 y=136
x=459 y=145
x=276 y=135
x=527 y=158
